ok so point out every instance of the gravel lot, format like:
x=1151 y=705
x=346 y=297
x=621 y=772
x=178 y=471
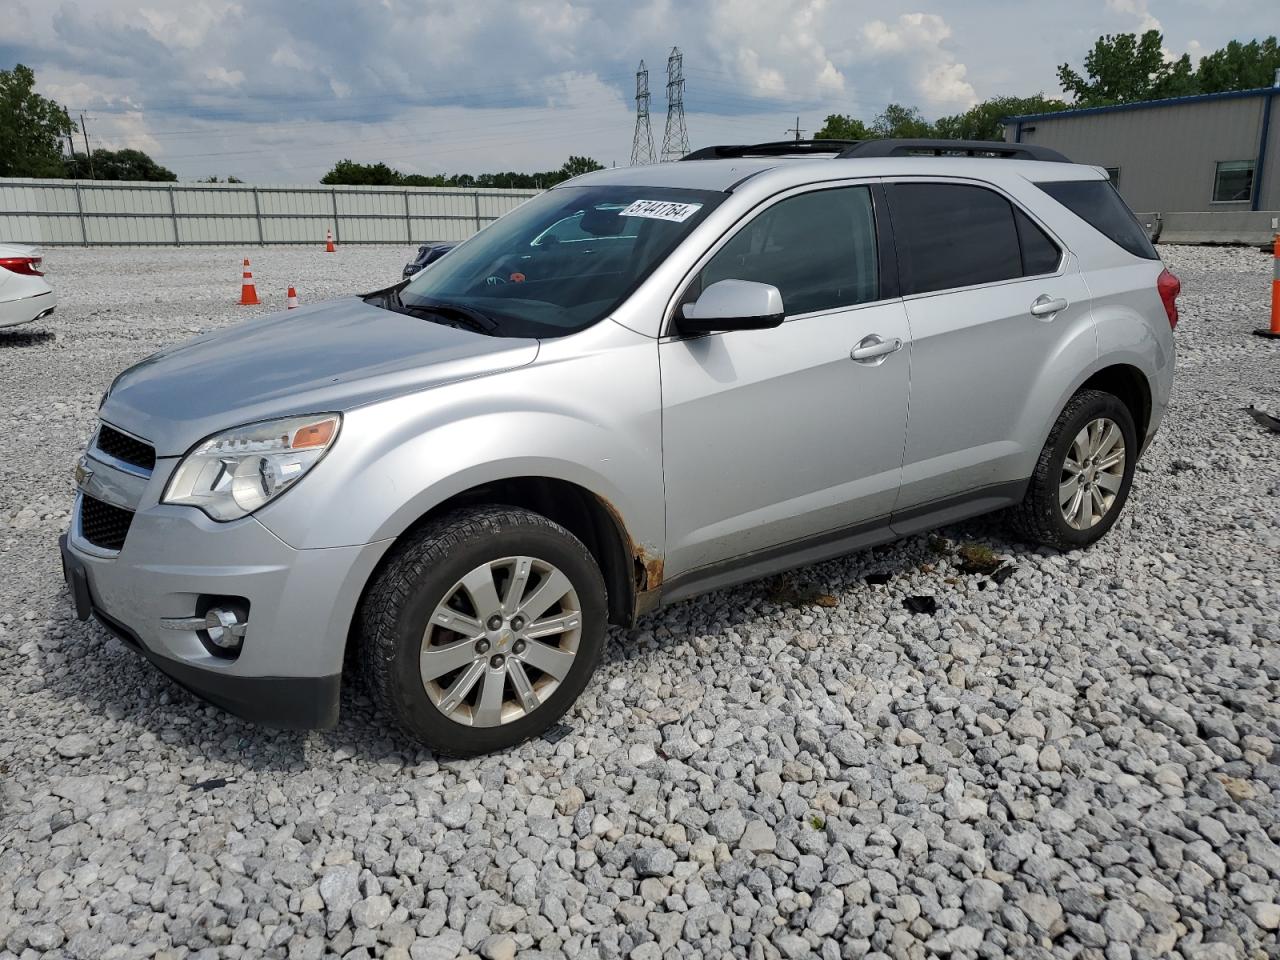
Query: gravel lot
x=1077 y=761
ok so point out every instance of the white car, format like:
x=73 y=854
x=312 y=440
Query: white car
x=25 y=295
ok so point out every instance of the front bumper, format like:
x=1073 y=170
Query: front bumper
x=301 y=604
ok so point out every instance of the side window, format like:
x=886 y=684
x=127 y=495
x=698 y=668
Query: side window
x=1233 y=181
x=953 y=235
x=1039 y=253
x=818 y=249
x=1097 y=203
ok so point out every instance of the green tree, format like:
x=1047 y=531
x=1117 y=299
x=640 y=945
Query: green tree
x=214 y=179
x=982 y=120
x=350 y=173
x=1240 y=66
x=31 y=127
x=124 y=164
x=379 y=174
x=575 y=166
x=838 y=126
x=1126 y=68
x=898 y=121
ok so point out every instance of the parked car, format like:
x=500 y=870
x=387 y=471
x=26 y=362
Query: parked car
x=760 y=358
x=25 y=295
x=428 y=253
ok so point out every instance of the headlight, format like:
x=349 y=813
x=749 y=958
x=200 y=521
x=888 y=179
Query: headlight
x=232 y=474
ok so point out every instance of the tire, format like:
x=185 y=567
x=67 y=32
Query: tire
x=402 y=639
x=1042 y=518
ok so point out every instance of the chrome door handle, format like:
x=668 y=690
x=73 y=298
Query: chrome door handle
x=1046 y=306
x=873 y=349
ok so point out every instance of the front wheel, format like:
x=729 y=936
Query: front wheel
x=1083 y=476
x=483 y=628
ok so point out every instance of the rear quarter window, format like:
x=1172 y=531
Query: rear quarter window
x=1097 y=204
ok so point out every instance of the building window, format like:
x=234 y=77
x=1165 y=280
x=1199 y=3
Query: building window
x=1233 y=181
x=1114 y=174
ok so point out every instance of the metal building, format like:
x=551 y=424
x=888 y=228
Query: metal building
x=1202 y=168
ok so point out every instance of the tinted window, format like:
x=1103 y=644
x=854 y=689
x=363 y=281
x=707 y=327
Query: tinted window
x=1039 y=253
x=951 y=235
x=1097 y=203
x=818 y=249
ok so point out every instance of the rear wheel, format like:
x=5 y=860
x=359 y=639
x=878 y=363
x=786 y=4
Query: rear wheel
x=482 y=629
x=1082 y=479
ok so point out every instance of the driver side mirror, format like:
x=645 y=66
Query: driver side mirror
x=733 y=305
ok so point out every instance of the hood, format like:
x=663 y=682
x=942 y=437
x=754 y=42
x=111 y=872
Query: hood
x=328 y=357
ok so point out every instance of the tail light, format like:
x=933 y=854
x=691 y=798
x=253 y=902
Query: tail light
x=30 y=266
x=1169 y=287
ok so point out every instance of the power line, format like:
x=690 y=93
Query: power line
x=642 y=139
x=796 y=130
x=675 y=139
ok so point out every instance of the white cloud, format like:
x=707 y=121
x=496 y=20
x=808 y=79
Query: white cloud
x=946 y=82
x=1138 y=10
x=917 y=43
x=911 y=31
x=272 y=91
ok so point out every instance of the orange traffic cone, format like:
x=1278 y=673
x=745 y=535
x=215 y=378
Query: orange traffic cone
x=328 y=242
x=291 y=301
x=248 y=292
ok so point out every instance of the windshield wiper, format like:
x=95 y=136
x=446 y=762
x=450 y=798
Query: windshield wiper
x=469 y=316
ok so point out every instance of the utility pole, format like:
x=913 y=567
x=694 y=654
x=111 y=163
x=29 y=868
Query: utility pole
x=675 y=139
x=87 y=152
x=796 y=130
x=642 y=141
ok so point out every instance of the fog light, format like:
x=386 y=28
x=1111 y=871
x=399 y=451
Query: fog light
x=224 y=628
x=221 y=629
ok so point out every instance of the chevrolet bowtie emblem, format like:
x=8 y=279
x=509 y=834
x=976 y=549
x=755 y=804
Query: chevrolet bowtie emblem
x=82 y=474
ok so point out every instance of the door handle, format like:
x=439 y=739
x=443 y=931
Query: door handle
x=873 y=349
x=1046 y=306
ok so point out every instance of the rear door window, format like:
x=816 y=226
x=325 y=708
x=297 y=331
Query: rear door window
x=1039 y=253
x=953 y=235
x=1097 y=203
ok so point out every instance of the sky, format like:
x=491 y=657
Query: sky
x=277 y=91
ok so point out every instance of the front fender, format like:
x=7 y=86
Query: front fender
x=590 y=417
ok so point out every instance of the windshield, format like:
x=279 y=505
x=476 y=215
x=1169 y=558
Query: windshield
x=562 y=261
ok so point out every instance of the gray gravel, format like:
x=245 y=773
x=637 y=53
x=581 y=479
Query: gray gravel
x=1079 y=761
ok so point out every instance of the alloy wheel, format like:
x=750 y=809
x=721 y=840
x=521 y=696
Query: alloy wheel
x=501 y=641
x=1092 y=473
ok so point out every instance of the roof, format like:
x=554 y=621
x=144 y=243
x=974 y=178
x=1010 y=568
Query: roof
x=706 y=175
x=786 y=172
x=1144 y=104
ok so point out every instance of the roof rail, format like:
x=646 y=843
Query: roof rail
x=951 y=148
x=778 y=148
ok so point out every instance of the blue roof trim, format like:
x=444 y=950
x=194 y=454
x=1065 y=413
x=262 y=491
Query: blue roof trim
x=1145 y=104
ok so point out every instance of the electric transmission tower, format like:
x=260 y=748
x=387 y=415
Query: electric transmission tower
x=675 y=140
x=642 y=142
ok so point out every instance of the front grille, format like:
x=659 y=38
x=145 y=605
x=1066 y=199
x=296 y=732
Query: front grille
x=124 y=447
x=102 y=524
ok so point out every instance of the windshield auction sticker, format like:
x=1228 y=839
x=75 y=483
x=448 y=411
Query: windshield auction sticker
x=661 y=210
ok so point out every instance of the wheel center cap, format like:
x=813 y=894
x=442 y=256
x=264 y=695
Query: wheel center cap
x=504 y=641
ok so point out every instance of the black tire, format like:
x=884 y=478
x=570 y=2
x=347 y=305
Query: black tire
x=1039 y=518
x=414 y=580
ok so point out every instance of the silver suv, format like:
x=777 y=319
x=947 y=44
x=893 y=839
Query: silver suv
x=643 y=384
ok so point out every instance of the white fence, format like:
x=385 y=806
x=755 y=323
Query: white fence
x=99 y=212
